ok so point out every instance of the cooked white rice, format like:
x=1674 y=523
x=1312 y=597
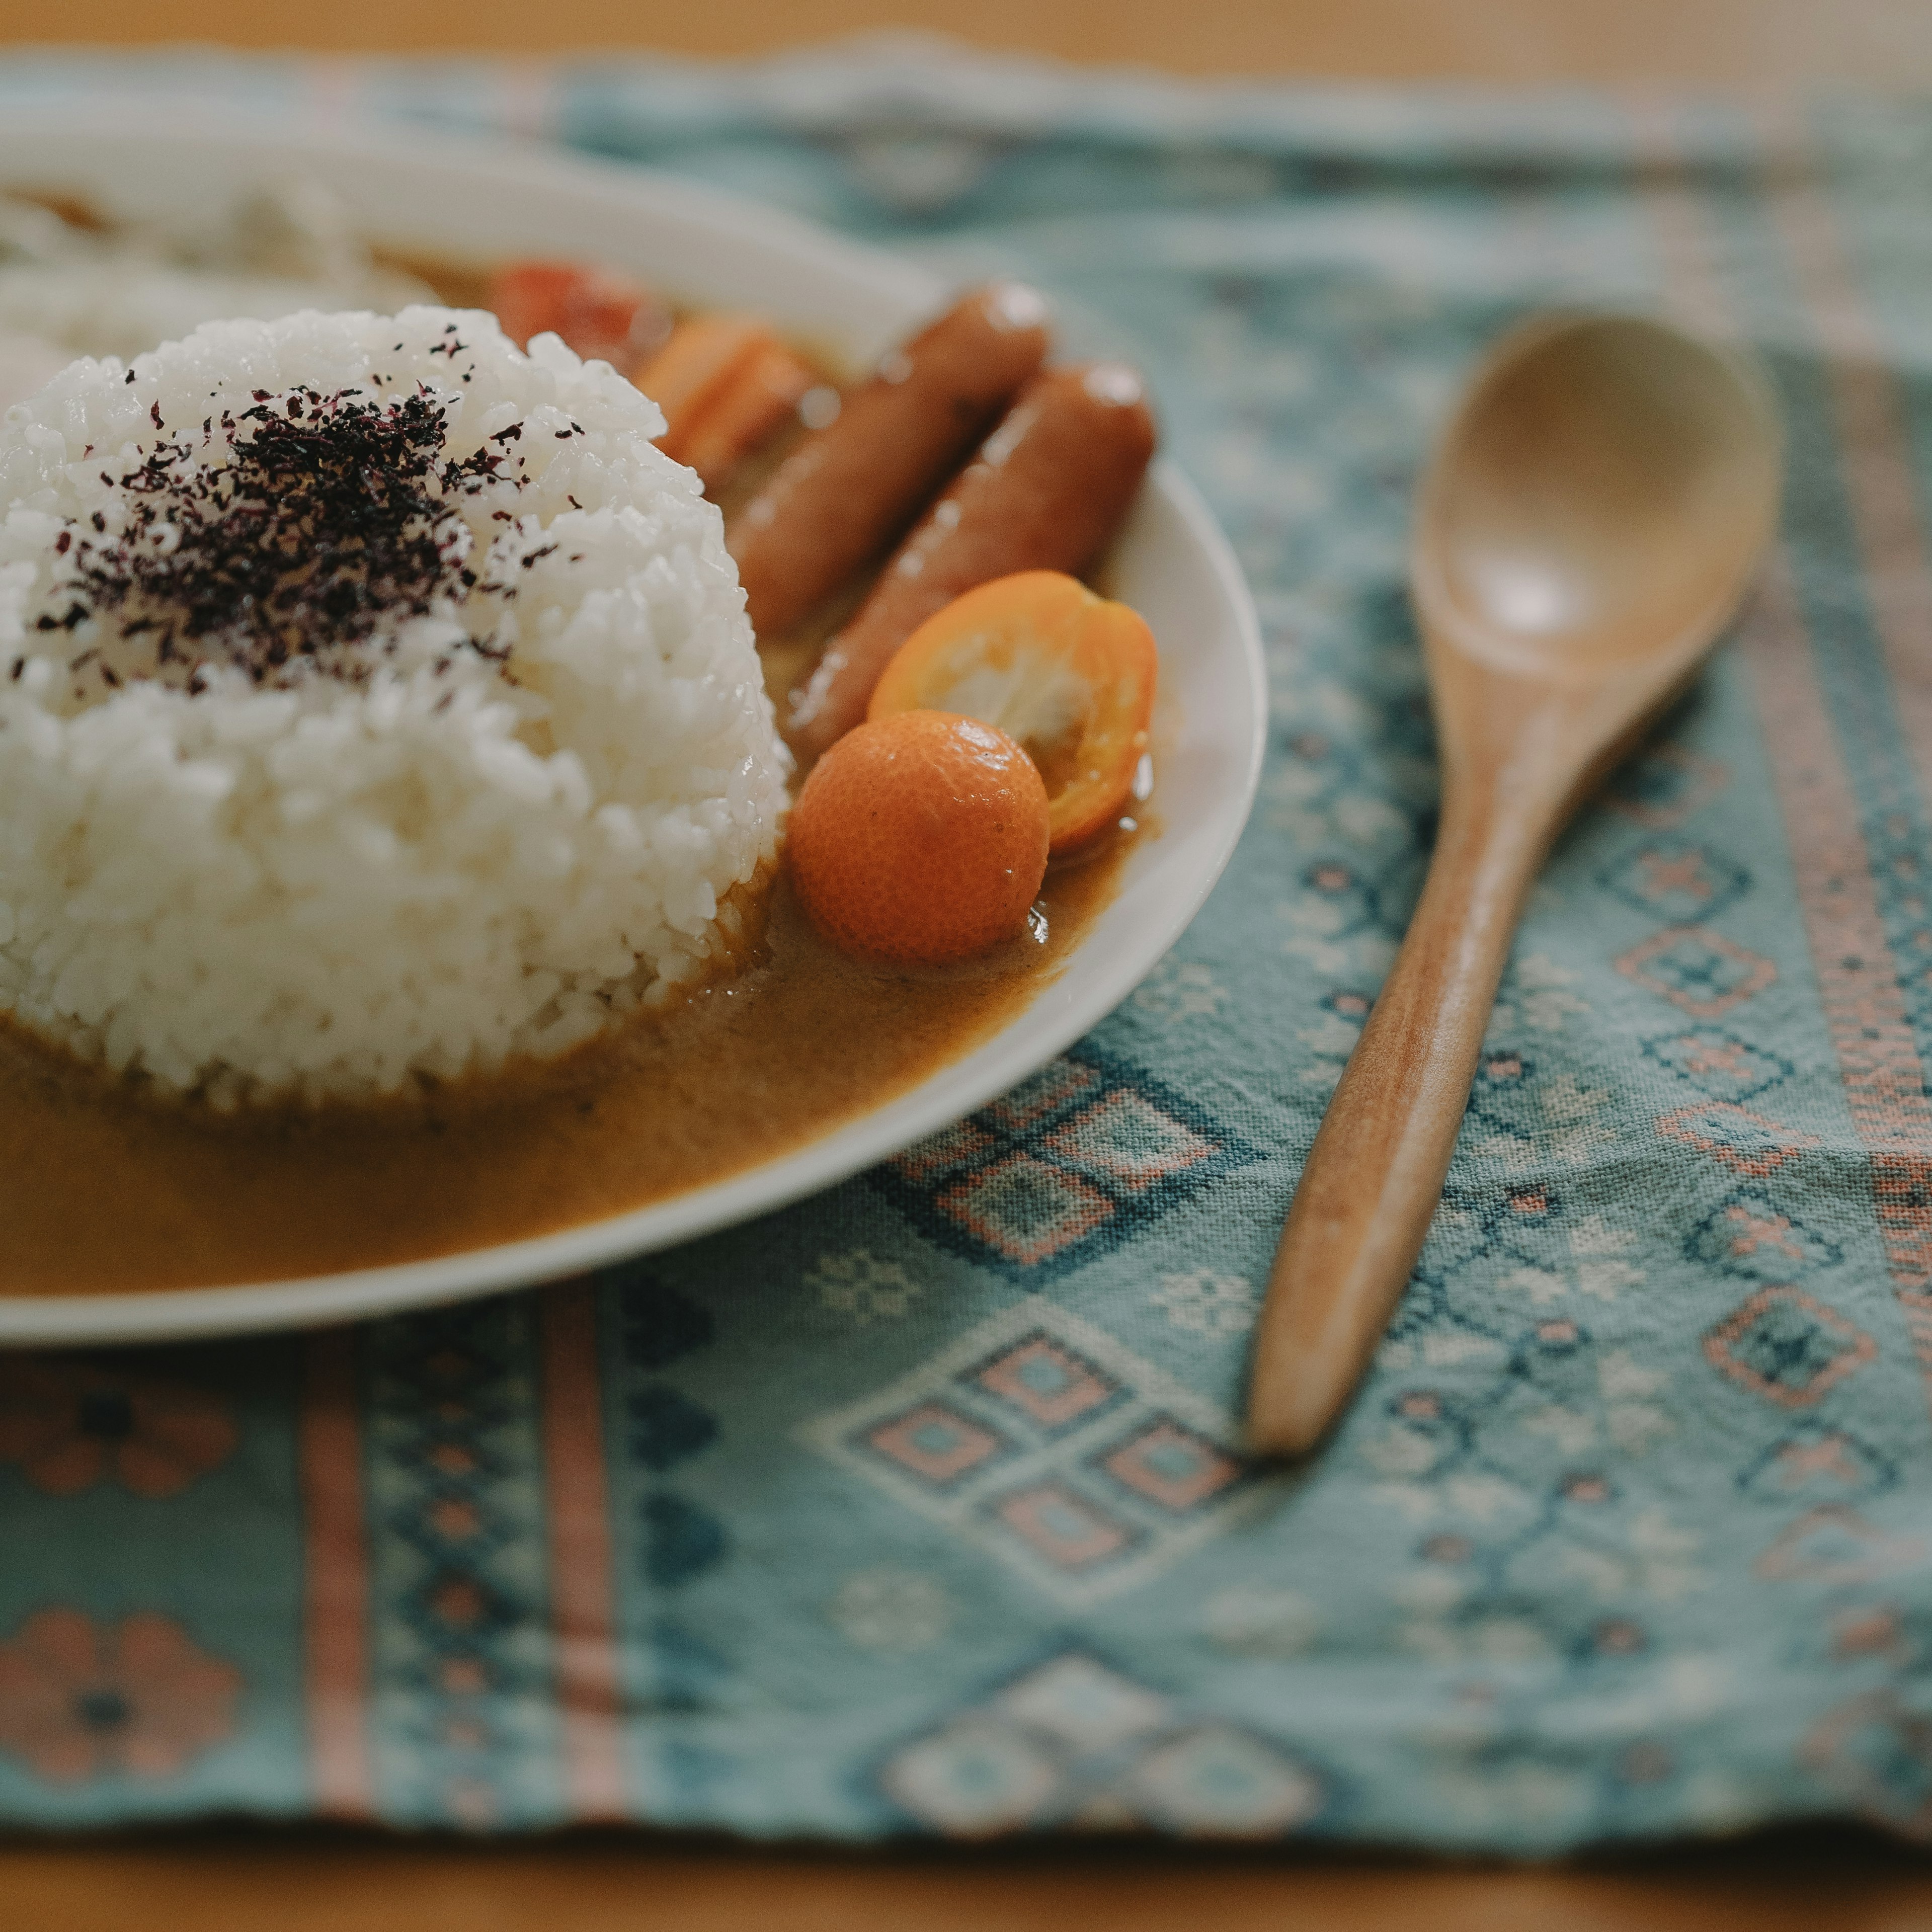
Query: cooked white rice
x=402 y=856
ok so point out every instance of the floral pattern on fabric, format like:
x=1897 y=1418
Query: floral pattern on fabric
x=920 y=1506
x=80 y=1700
x=71 y=1423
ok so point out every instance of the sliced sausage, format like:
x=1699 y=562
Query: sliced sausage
x=849 y=489
x=1049 y=490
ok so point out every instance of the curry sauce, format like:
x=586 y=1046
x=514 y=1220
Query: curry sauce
x=103 y=1192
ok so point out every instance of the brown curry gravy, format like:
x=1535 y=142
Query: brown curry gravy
x=103 y=1192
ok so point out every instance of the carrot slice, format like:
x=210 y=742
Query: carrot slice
x=598 y=314
x=757 y=397
x=1069 y=675
x=704 y=356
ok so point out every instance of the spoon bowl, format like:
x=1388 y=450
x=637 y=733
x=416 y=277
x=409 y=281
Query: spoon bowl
x=1599 y=498
x=1593 y=513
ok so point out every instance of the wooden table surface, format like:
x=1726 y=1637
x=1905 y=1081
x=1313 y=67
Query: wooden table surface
x=1886 y=43
x=333 y=1882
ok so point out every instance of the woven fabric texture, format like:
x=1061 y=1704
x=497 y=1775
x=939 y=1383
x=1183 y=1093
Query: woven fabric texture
x=916 y=1508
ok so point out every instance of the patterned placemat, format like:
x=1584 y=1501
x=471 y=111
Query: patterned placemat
x=916 y=1508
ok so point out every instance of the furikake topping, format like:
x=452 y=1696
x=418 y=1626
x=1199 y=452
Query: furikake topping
x=323 y=521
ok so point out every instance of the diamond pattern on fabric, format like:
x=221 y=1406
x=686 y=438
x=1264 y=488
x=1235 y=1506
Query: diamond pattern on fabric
x=1736 y=1136
x=1787 y=1347
x=935 y=1442
x=1702 y=972
x=1063 y=1169
x=1024 y=1210
x=1814 y=1464
x=1050 y=1384
x=1751 y=1235
x=1125 y=1139
x=1834 y=1543
x=1074 y=1741
x=1169 y=1464
x=1685 y=884
x=457 y=1530
x=1039 y=1438
x=1722 y=1065
x=1627 y=1534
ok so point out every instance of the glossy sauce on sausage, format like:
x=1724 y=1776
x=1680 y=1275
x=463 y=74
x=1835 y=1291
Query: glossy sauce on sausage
x=1047 y=491
x=847 y=491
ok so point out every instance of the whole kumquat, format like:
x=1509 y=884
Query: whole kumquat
x=1068 y=674
x=920 y=839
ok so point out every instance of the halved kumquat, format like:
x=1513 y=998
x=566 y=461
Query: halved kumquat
x=1068 y=674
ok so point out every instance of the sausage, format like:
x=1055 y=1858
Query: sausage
x=1049 y=490
x=850 y=488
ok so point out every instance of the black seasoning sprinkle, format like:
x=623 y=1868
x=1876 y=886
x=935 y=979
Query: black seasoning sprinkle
x=331 y=517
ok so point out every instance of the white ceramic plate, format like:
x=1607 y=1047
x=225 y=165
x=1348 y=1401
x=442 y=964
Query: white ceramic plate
x=491 y=200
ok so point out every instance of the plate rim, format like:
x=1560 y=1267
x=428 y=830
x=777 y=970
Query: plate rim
x=931 y=1104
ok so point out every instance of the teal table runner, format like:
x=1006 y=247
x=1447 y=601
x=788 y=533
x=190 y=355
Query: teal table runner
x=916 y=1508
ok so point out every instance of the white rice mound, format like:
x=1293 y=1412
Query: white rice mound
x=317 y=885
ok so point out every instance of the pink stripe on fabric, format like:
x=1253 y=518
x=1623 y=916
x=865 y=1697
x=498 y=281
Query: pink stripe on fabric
x=335 y=1594
x=1857 y=973
x=1879 y=1061
x=1868 y=420
x=577 y=1503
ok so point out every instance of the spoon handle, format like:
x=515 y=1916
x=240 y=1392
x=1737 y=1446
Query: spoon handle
x=1375 y=1174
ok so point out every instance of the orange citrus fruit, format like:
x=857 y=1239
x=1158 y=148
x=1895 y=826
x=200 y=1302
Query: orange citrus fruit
x=1068 y=674
x=919 y=839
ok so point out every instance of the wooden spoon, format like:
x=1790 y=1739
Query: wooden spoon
x=1589 y=522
